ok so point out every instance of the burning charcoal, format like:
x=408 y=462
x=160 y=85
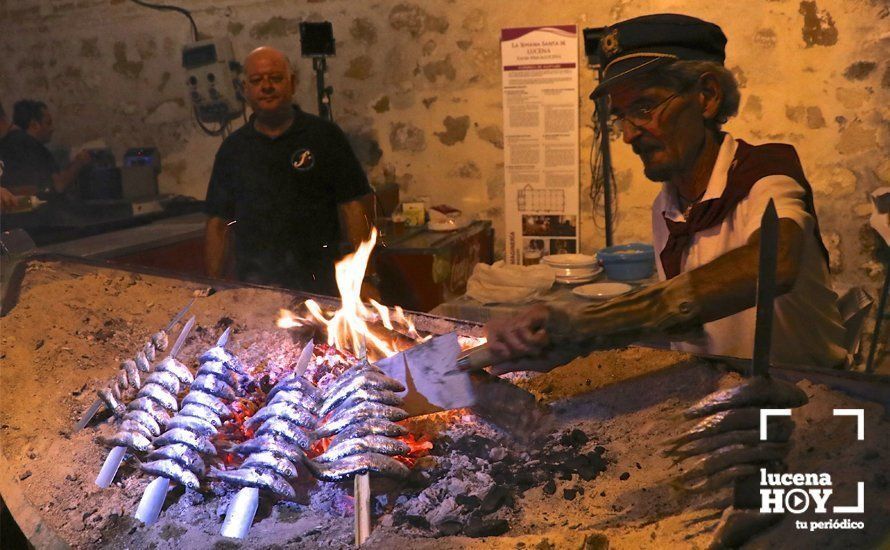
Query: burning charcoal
x=417 y=521
x=579 y=438
x=497 y=454
x=469 y=502
x=624 y=476
x=569 y=494
x=496 y=497
x=549 y=488
x=599 y=450
x=449 y=526
x=479 y=527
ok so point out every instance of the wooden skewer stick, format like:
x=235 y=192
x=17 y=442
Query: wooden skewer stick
x=362 y=496
x=362 y=485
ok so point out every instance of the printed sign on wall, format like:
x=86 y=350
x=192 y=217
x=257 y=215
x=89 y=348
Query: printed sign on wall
x=540 y=96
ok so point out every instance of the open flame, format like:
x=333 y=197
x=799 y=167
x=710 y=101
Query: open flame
x=348 y=328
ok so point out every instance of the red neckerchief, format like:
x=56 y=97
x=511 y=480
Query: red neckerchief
x=751 y=164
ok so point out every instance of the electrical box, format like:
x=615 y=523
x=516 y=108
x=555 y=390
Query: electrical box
x=212 y=80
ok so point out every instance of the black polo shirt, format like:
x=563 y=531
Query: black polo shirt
x=282 y=194
x=27 y=164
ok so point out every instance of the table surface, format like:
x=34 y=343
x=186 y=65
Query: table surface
x=560 y=295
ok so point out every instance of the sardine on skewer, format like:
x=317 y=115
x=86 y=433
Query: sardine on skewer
x=379 y=444
x=171 y=469
x=350 y=466
x=359 y=413
x=181 y=453
x=257 y=477
x=285 y=429
x=759 y=391
x=371 y=426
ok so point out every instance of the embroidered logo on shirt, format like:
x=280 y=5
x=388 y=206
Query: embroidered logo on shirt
x=302 y=160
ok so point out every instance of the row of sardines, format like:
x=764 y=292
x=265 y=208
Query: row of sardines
x=172 y=421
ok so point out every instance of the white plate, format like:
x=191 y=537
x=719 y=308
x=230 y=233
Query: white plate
x=570 y=260
x=575 y=280
x=577 y=271
x=447 y=225
x=602 y=291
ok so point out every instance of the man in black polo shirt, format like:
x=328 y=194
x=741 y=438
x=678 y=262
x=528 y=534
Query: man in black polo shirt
x=29 y=167
x=287 y=184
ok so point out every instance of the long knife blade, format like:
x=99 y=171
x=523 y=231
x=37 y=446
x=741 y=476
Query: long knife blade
x=766 y=290
x=179 y=316
x=97 y=404
x=183 y=334
x=305 y=357
x=746 y=489
x=223 y=339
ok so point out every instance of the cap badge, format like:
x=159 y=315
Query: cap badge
x=609 y=43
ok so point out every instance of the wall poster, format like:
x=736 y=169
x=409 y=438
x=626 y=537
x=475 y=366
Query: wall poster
x=540 y=96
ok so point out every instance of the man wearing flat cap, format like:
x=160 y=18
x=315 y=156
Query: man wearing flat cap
x=669 y=95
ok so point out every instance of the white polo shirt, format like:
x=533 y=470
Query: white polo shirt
x=807 y=328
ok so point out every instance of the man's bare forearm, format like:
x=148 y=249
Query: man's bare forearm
x=216 y=240
x=357 y=219
x=722 y=287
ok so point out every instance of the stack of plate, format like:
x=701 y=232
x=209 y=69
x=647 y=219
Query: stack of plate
x=573 y=268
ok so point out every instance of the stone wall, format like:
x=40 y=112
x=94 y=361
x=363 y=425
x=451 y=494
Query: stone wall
x=417 y=88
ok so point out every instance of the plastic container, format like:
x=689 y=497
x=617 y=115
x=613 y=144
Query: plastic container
x=628 y=262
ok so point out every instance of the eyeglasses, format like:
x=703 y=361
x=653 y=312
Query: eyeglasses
x=639 y=116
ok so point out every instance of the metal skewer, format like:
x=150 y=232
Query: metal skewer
x=97 y=404
x=239 y=516
x=116 y=456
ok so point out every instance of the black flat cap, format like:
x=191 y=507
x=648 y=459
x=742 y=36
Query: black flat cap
x=641 y=44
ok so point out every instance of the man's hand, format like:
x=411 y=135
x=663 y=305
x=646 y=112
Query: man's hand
x=520 y=335
x=7 y=199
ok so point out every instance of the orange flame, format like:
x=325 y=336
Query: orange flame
x=347 y=328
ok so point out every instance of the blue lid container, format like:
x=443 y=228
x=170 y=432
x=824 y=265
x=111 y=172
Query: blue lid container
x=628 y=262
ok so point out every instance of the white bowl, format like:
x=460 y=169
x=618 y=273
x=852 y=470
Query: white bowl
x=570 y=260
x=602 y=291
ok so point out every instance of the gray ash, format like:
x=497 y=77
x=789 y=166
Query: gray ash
x=470 y=483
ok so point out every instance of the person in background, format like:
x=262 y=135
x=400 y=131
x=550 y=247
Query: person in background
x=669 y=95
x=7 y=198
x=286 y=185
x=29 y=167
